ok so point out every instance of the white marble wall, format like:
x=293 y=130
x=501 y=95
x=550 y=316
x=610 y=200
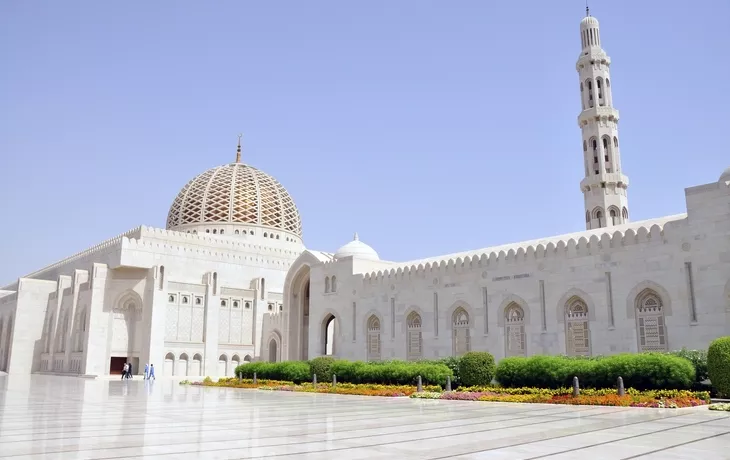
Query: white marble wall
x=606 y=269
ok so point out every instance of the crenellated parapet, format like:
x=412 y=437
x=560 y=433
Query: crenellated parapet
x=567 y=246
x=274 y=321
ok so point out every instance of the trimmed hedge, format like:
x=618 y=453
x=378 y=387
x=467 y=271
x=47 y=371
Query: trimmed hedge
x=390 y=372
x=718 y=365
x=290 y=371
x=476 y=368
x=385 y=373
x=645 y=371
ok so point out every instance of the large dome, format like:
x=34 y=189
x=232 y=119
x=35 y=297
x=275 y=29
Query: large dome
x=234 y=193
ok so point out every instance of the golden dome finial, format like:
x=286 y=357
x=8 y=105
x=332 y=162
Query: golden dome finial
x=238 y=150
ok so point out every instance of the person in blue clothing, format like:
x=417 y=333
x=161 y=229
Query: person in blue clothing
x=152 y=372
x=146 y=371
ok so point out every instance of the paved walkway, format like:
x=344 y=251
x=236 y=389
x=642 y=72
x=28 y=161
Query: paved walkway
x=68 y=418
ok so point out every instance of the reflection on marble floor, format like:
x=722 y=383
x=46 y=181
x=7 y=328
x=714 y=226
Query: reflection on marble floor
x=69 y=418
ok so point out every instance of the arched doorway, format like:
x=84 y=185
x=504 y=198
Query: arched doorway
x=125 y=342
x=197 y=365
x=222 y=365
x=295 y=341
x=329 y=332
x=273 y=350
x=235 y=362
x=182 y=365
x=169 y=366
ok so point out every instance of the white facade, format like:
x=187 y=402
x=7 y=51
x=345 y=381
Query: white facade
x=661 y=284
x=191 y=299
x=230 y=281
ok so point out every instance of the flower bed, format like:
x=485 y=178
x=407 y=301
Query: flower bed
x=591 y=397
x=606 y=397
x=363 y=389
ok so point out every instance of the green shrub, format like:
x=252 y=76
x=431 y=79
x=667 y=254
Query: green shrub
x=390 y=372
x=718 y=365
x=476 y=368
x=321 y=367
x=645 y=371
x=452 y=362
x=698 y=358
x=292 y=371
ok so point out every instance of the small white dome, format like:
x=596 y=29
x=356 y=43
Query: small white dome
x=725 y=177
x=357 y=249
x=589 y=22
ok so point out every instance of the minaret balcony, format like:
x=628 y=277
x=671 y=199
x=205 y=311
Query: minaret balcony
x=590 y=114
x=596 y=180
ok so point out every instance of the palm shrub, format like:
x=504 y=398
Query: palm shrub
x=718 y=365
x=476 y=368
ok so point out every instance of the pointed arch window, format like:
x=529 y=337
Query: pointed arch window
x=415 y=338
x=460 y=332
x=650 y=322
x=334 y=283
x=373 y=338
x=326 y=284
x=514 y=334
x=577 y=331
x=615 y=215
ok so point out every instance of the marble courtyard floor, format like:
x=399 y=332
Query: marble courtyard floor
x=64 y=417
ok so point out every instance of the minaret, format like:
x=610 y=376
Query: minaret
x=604 y=186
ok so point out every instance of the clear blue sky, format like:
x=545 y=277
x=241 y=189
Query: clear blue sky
x=427 y=126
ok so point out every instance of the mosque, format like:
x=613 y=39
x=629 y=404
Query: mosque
x=230 y=281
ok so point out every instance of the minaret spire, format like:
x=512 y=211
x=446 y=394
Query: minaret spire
x=604 y=185
x=238 y=150
x=588 y=10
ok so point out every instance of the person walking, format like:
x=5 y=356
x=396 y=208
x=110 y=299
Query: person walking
x=129 y=370
x=146 y=371
x=124 y=371
x=152 y=372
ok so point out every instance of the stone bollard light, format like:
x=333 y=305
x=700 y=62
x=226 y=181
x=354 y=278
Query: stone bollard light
x=419 y=384
x=621 y=390
x=255 y=380
x=334 y=380
x=576 y=387
x=314 y=379
x=448 y=383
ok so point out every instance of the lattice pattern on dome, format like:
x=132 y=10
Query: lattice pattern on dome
x=235 y=193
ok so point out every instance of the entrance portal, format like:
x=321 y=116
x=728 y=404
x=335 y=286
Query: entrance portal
x=116 y=365
x=295 y=345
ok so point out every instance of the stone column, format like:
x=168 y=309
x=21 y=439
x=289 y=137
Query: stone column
x=153 y=320
x=96 y=358
x=78 y=278
x=210 y=334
